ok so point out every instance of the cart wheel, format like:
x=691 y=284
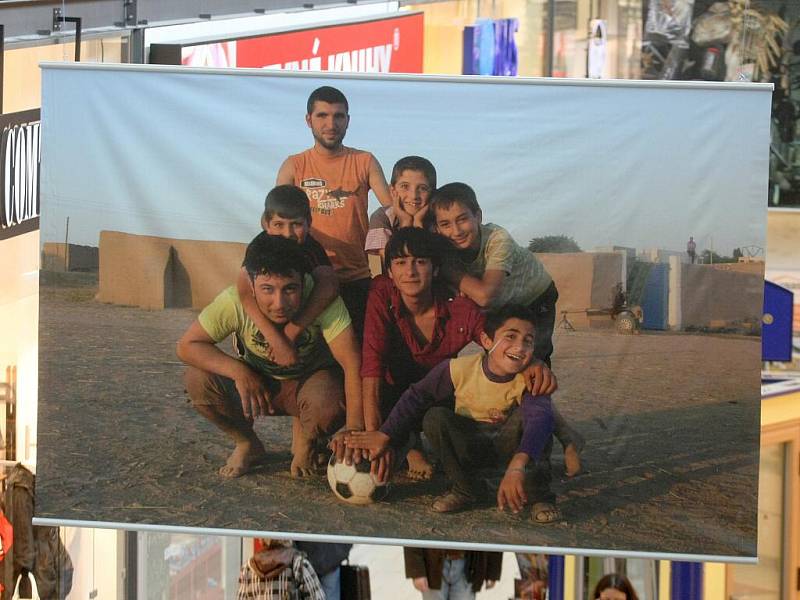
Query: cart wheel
x=626 y=323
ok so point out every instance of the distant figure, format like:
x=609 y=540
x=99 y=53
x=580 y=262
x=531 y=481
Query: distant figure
x=614 y=587
x=691 y=249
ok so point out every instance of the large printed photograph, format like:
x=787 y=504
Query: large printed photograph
x=521 y=313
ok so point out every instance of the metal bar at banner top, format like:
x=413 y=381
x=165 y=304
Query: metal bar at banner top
x=559 y=81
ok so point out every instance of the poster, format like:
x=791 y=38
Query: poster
x=628 y=171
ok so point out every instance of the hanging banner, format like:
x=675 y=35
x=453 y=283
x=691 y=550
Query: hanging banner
x=576 y=197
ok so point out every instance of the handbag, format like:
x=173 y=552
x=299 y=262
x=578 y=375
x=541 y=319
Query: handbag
x=276 y=584
x=34 y=590
x=355 y=582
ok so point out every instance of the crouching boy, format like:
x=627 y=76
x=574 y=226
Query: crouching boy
x=319 y=390
x=494 y=421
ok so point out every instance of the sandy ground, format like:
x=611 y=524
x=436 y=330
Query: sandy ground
x=671 y=461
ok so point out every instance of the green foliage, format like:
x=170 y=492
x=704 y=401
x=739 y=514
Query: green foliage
x=554 y=243
x=638 y=271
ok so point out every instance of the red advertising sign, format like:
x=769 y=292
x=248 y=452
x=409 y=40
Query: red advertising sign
x=392 y=45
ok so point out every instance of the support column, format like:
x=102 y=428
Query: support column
x=555 y=578
x=686 y=581
x=674 y=316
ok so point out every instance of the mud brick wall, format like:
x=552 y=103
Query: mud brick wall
x=133 y=269
x=584 y=280
x=154 y=272
x=716 y=297
x=208 y=267
x=756 y=268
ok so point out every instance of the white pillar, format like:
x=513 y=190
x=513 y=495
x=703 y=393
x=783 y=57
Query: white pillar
x=624 y=275
x=674 y=316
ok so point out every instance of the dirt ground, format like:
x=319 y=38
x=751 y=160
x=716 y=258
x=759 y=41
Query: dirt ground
x=671 y=423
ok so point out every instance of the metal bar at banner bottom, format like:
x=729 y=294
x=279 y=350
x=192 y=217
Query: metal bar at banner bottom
x=555 y=578
x=686 y=581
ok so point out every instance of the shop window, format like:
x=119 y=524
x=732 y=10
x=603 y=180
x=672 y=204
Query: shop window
x=187 y=567
x=8 y=405
x=445 y=22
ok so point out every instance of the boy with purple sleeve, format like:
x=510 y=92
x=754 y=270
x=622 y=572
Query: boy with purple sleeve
x=476 y=411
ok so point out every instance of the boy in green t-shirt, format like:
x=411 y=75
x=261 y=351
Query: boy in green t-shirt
x=494 y=271
x=319 y=389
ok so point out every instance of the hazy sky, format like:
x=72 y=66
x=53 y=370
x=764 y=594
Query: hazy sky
x=192 y=154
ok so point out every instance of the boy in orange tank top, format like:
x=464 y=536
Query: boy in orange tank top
x=337 y=180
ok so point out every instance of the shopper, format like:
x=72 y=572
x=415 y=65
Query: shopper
x=614 y=586
x=451 y=574
x=279 y=572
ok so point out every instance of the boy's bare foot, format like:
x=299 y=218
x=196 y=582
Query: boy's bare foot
x=302 y=452
x=302 y=466
x=418 y=466
x=572 y=460
x=244 y=457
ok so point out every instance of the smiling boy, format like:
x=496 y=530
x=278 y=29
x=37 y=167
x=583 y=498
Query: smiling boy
x=493 y=270
x=287 y=214
x=232 y=392
x=494 y=419
x=412 y=183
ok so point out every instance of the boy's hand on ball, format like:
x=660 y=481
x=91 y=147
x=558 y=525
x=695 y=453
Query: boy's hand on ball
x=375 y=442
x=340 y=448
x=512 y=491
x=381 y=466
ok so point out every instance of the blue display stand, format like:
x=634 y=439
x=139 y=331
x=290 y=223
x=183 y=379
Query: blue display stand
x=776 y=324
x=687 y=581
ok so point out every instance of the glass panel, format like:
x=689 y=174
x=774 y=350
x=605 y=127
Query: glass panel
x=643 y=576
x=187 y=567
x=763 y=581
x=22 y=67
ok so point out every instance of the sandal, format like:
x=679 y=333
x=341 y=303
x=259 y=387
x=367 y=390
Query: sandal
x=545 y=512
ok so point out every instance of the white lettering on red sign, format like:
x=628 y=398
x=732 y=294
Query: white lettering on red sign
x=375 y=59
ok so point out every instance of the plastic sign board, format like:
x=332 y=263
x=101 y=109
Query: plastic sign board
x=386 y=45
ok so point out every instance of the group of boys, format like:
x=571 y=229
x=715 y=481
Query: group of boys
x=298 y=310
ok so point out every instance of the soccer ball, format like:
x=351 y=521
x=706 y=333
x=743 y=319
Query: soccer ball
x=354 y=483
